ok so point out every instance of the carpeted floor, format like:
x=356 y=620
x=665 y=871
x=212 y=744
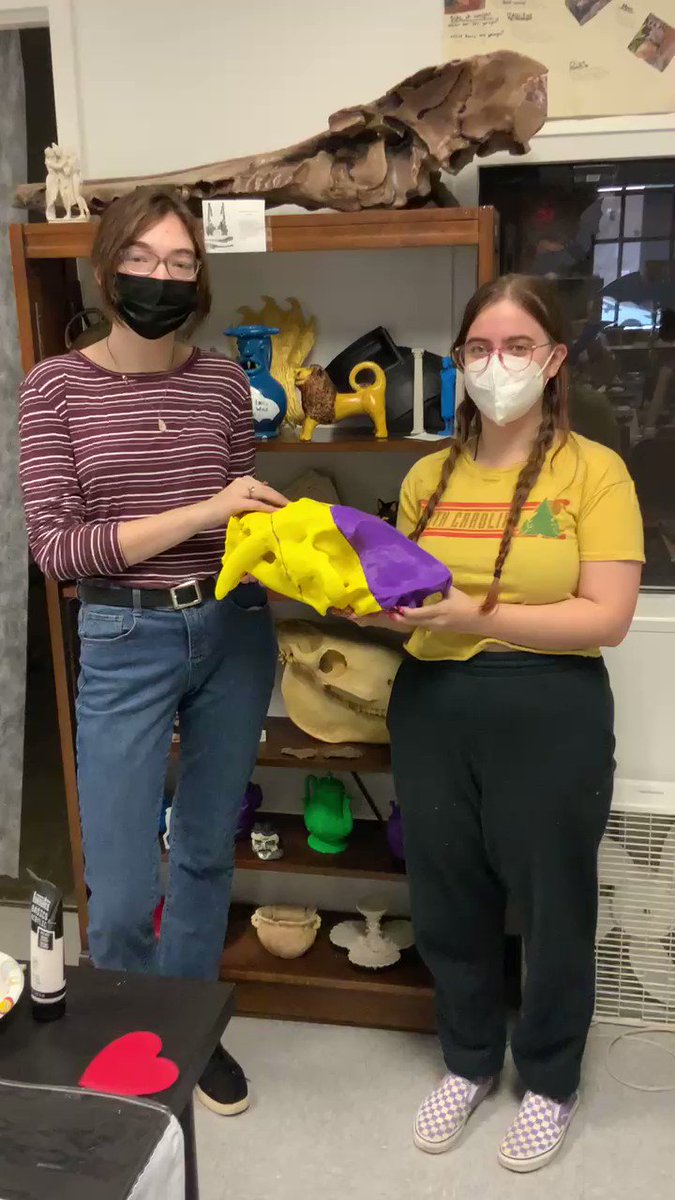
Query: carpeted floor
x=332 y=1112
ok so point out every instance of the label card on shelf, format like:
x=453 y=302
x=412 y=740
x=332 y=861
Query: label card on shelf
x=234 y=226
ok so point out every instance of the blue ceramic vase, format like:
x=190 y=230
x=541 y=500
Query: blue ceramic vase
x=254 y=349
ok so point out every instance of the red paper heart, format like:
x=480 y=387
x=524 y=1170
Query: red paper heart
x=130 y=1066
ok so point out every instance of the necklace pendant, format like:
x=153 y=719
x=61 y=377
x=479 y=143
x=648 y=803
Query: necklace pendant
x=161 y=425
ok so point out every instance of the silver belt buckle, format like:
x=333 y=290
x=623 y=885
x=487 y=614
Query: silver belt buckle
x=180 y=587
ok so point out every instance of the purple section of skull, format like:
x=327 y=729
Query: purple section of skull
x=399 y=573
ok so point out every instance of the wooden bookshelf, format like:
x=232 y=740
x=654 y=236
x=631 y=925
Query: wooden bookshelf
x=377 y=229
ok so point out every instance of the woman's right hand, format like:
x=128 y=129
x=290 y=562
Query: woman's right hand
x=243 y=495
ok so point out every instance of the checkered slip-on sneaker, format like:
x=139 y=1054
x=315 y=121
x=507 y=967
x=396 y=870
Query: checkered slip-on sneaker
x=445 y=1112
x=537 y=1133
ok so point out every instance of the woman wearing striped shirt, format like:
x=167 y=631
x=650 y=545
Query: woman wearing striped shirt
x=134 y=454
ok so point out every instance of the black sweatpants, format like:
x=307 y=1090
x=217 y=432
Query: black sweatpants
x=503 y=767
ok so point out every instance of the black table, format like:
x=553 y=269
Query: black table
x=188 y=1016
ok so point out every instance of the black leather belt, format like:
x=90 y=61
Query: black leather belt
x=183 y=595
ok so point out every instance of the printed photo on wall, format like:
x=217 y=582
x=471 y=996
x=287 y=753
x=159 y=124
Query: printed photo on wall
x=216 y=231
x=585 y=10
x=453 y=7
x=655 y=43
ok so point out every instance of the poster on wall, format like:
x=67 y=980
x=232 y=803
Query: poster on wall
x=605 y=57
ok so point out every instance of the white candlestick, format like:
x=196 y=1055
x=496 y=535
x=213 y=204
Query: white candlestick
x=418 y=394
x=418 y=431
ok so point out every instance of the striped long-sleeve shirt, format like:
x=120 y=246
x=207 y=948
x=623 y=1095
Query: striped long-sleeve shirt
x=99 y=448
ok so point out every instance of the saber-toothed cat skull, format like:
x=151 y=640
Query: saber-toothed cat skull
x=336 y=688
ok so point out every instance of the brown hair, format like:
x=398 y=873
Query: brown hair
x=125 y=221
x=537 y=298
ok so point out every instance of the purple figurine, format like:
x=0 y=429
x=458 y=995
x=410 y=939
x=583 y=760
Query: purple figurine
x=395 y=832
x=247 y=813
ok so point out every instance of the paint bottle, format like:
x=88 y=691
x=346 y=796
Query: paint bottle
x=47 y=957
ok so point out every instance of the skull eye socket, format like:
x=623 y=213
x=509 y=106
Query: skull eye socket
x=309 y=641
x=332 y=663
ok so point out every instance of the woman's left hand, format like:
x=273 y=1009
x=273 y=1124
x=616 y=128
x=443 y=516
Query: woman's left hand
x=458 y=612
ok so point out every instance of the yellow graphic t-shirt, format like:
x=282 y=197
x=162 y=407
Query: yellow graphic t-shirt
x=583 y=508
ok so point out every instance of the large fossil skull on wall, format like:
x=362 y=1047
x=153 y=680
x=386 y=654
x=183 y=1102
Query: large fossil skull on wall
x=336 y=688
x=387 y=153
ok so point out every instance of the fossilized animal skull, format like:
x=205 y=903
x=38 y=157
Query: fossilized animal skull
x=386 y=153
x=336 y=688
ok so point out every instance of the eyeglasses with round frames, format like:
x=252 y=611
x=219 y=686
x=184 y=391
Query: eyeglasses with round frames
x=476 y=356
x=180 y=264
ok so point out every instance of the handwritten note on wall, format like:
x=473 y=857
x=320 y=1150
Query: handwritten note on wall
x=605 y=57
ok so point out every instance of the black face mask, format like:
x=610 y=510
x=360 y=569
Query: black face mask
x=154 y=307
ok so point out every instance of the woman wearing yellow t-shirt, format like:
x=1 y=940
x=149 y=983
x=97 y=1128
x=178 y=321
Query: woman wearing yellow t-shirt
x=501 y=716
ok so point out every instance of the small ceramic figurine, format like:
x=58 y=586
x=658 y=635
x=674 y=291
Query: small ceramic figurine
x=387 y=510
x=328 y=814
x=63 y=182
x=290 y=347
x=322 y=404
x=265 y=842
x=368 y=943
x=254 y=347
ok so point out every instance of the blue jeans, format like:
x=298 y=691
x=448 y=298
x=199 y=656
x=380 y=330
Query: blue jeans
x=214 y=665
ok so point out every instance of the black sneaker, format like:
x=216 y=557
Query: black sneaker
x=223 y=1087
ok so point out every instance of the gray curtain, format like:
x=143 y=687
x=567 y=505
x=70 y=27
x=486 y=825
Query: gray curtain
x=13 y=553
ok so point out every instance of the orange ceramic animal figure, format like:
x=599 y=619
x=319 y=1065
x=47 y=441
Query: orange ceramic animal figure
x=322 y=404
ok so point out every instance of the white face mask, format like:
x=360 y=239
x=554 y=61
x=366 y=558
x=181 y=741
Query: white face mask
x=503 y=395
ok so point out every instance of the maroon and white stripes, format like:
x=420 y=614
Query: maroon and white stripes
x=98 y=448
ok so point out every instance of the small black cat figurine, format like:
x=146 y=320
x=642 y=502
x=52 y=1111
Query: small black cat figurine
x=387 y=510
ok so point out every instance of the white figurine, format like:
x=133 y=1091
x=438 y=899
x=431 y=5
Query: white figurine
x=63 y=180
x=368 y=942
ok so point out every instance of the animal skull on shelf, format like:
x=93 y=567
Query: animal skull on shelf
x=336 y=688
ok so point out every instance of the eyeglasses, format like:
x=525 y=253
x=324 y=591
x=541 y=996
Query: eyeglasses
x=180 y=264
x=477 y=355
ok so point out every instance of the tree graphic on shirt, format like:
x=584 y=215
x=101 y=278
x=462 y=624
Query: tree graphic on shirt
x=542 y=523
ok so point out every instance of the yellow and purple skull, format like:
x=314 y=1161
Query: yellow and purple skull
x=330 y=556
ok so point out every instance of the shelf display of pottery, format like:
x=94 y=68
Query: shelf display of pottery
x=369 y=943
x=401 y=372
x=286 y=930
x=328 y=814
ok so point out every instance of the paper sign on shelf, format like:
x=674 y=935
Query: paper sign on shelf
x=234 y=226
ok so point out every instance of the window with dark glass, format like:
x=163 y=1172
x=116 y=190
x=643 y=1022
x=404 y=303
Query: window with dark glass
x=605 y=233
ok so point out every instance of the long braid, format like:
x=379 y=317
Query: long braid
x=467 y=415
x=526 y=481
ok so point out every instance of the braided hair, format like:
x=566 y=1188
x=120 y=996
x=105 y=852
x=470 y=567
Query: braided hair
x=536 y=296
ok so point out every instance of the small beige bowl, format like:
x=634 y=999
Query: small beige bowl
x=285 y=929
